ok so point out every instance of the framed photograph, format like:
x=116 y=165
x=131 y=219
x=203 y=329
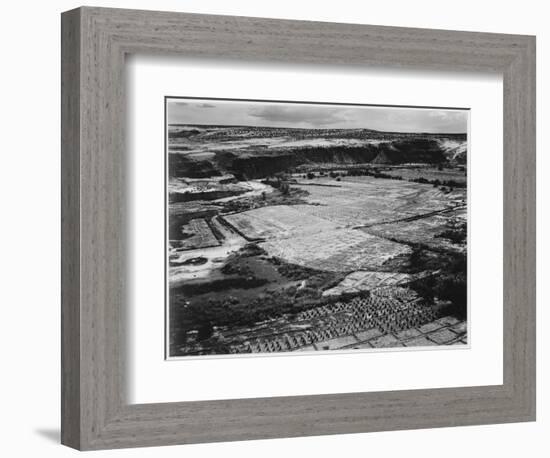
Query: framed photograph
x=278 y=228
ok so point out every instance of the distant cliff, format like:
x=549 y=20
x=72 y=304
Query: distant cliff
x=258 y=166
x=400 y=152
x=376 y=148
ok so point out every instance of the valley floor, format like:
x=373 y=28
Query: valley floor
x=333 y=264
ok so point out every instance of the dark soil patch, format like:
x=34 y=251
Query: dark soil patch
x=233 y=282
x=295 y=196
x=191 y=262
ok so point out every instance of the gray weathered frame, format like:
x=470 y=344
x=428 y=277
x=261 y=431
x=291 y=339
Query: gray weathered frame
x=95 y=414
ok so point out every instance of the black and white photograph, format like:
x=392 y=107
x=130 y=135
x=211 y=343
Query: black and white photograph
x=308 y=227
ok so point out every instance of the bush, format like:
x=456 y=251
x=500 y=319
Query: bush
x=453 y=288
x=455 y=234
x=284 y=188
x=447 y=285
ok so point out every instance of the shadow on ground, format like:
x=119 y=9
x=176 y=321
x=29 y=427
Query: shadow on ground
x=53 y=435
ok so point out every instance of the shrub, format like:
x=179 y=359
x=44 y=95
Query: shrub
x=449 y=284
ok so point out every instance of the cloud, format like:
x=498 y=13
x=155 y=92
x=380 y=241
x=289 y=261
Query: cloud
x=316 y=116
x=194 y=104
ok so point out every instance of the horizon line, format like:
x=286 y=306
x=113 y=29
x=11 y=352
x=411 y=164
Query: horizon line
x=317 y=128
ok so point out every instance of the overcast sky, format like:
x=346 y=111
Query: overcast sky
x=312 y=116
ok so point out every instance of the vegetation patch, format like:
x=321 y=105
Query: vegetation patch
x=455 y=233
x=291 y=196
x=448 y=282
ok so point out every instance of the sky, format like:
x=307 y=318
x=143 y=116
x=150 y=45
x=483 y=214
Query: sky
x=315 y=116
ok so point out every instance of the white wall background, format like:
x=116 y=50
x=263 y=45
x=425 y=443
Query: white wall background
x=29 y=230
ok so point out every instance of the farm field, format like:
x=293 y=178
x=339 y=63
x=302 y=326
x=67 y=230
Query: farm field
x=428 y=231
x=197 y=235
x=362 y=280
x=428 y=173
x=362 y=201
x=280 y=221
x=338 y=250
x=398 y=319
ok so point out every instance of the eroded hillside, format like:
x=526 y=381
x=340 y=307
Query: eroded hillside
x=256 y=152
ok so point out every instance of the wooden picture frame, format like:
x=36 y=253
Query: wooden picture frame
x=95 y=413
